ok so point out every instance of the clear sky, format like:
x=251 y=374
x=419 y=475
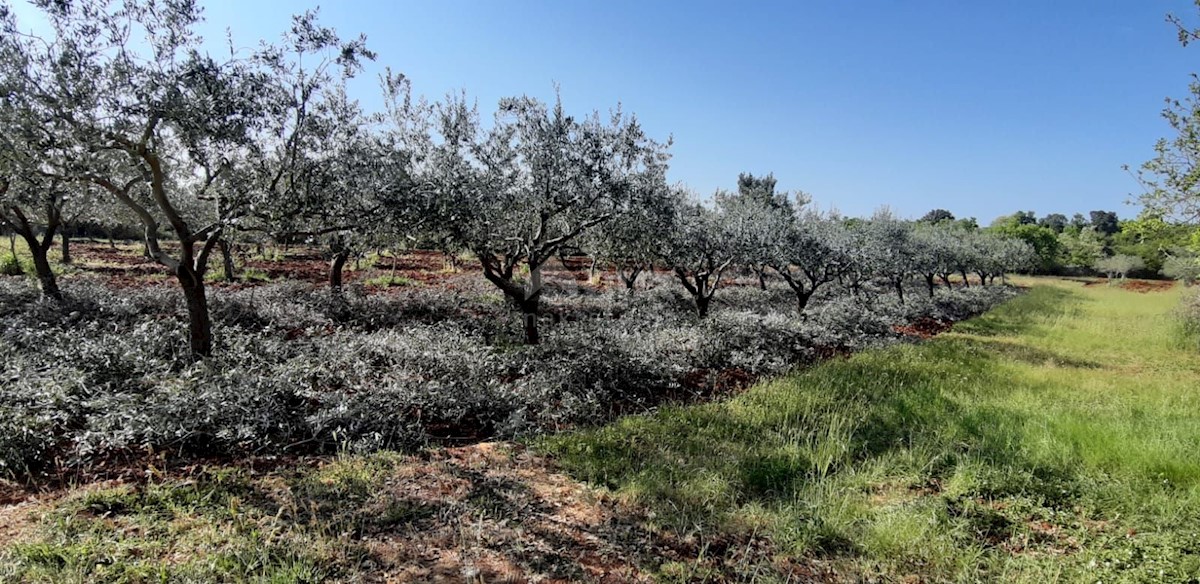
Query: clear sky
x=979 y=108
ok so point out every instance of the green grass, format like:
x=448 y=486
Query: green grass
x=22 y=262
x=385 y=281
x=1056 y=438
x=221 y=525
x=244 y=274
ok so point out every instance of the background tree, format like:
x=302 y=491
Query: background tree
x=1083 y=249
x=934 y=247
x=317 y=163
x=758 y=218
x=1047 y=245
x=937 y=216
x=1118 y=265
x=631 y=240
x=1055 y=222
x=894 y=253
x=1104 y=222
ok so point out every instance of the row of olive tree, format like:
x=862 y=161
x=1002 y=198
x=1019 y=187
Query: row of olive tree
x=201 y=150
x=118 y=110
x=775 y=234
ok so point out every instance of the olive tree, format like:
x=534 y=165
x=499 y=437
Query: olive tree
x=700 y=248
x=943 y=251
x=535 y=182
x=1118 y=266
x=36 y=202
x=759 y=217
x=933 y=253
x=891 y=248
x=319 y=161
x=1184 y=267
x=30 y=208
x=812 y=254
x=153 y=121
x=630 y=241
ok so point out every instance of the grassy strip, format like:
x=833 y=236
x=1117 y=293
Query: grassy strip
x=1053 y=439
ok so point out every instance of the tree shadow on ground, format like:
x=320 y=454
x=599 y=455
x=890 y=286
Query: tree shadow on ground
x=488 y=512
x=1013 y=318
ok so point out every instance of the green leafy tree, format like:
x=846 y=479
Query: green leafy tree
x=1171 y=179
x=1056 y=222
x=1082 y=249
x=937 y=216
x=1105 y=222
x=1045 y=242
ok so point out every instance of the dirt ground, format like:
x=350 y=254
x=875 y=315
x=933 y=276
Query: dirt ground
x=488 y=512
x=1143 y=286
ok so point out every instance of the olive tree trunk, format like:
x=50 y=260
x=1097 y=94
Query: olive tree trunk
x=199 y=322
x=39 y=249
x=227 y=260
x=336 y=266
x=66 y=246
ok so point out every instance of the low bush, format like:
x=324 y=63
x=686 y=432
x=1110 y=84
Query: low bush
x=298 y=369
x=10 y=265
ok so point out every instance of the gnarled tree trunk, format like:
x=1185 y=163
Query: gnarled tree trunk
x=227 y=260
x=629 y=277
x=66 y=245
x=39 y=250
x=527 y=298
x=199 y=323
x=335 y=269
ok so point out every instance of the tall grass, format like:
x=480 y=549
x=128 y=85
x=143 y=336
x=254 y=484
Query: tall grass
x=1053 y=439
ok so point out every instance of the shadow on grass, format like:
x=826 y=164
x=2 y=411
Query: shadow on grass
x=1013 y=318
x=1035 y=356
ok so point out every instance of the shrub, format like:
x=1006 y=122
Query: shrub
x=1187 y=321
x=298 y=369
x=10 y=265
x=1186 y=269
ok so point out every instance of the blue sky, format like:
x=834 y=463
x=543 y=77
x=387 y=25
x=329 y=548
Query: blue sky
x=980 y=108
